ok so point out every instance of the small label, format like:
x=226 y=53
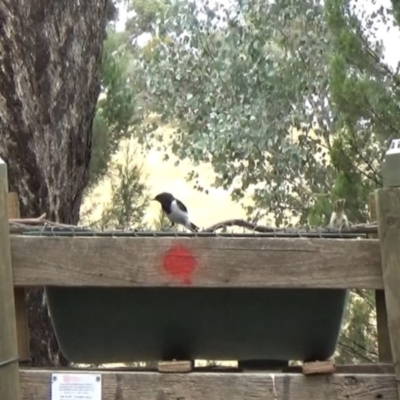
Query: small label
x=76 y=387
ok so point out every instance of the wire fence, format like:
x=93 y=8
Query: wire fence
x=243 y=229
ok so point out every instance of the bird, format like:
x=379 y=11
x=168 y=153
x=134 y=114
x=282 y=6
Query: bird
x=175 y=210
x=338 y=216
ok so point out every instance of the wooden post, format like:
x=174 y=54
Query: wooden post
x=9 y=368
x=388 y=211
x=384 y=347
x=20 y=298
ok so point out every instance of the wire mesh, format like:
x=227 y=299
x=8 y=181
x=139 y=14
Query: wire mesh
x=300 y=232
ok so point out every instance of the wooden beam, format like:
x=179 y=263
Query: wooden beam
x=349 y=369
x=384 y=347
x=20 y=298
x=9 y=377
x=36 y=384
x=388 y=211
x=201 y=262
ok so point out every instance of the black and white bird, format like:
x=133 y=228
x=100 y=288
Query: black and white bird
x=175 y=210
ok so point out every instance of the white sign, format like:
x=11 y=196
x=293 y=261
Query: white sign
x=76 y=387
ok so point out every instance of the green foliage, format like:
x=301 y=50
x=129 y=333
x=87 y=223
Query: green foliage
x=147 y=14
x=396 y=11
x=358 y=339
x=320 y=213
x=162 y=223
x=129 y=195
x=117 y=107
x=236 y=81
x=350 y=183
x=365 y=90
x=237 y=78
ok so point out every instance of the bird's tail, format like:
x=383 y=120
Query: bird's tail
x=193 y=227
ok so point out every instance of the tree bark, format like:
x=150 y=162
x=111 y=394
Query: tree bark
x=50 y=56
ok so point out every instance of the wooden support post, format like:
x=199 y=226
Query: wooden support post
x=20 y=298
x=384 y=349
x=9 y=368
x=388 y=212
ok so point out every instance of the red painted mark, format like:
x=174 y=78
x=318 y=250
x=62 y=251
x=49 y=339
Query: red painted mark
x=180 y=263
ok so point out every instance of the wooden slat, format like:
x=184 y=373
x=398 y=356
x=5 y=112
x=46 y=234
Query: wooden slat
x=176 y=366
x=319 y=367
x=378 y=368
x=388 y=211
x=222 y=386
x=382 y=326
x=220 y=262
x=21 y=311
x=9 y=378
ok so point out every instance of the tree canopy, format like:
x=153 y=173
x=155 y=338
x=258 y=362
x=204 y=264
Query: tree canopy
x=293 y=101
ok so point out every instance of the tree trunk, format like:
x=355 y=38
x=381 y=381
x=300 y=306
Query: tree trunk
x=50 y=55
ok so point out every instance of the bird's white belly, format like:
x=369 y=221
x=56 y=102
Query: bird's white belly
x=177 y=215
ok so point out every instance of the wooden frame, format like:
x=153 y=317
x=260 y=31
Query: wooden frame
x=9 y=379
x=220 y=262
x=384 y=347
x=224 y=386
x=21 y=312
x=211 y=262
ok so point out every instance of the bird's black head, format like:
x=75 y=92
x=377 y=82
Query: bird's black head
x=164 y=198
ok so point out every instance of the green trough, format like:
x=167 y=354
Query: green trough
x=106 y=325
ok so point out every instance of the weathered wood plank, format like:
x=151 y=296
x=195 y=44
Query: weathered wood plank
x=388 y=211
x=218 y=262
x=384 y=349
x=176 y=366
x=21 y=312
x=9 y=377
x=319 y=367
x=380 y=368
x=36 y=384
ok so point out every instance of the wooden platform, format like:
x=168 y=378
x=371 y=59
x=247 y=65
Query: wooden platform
x=207 y=262
x=36 y=385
